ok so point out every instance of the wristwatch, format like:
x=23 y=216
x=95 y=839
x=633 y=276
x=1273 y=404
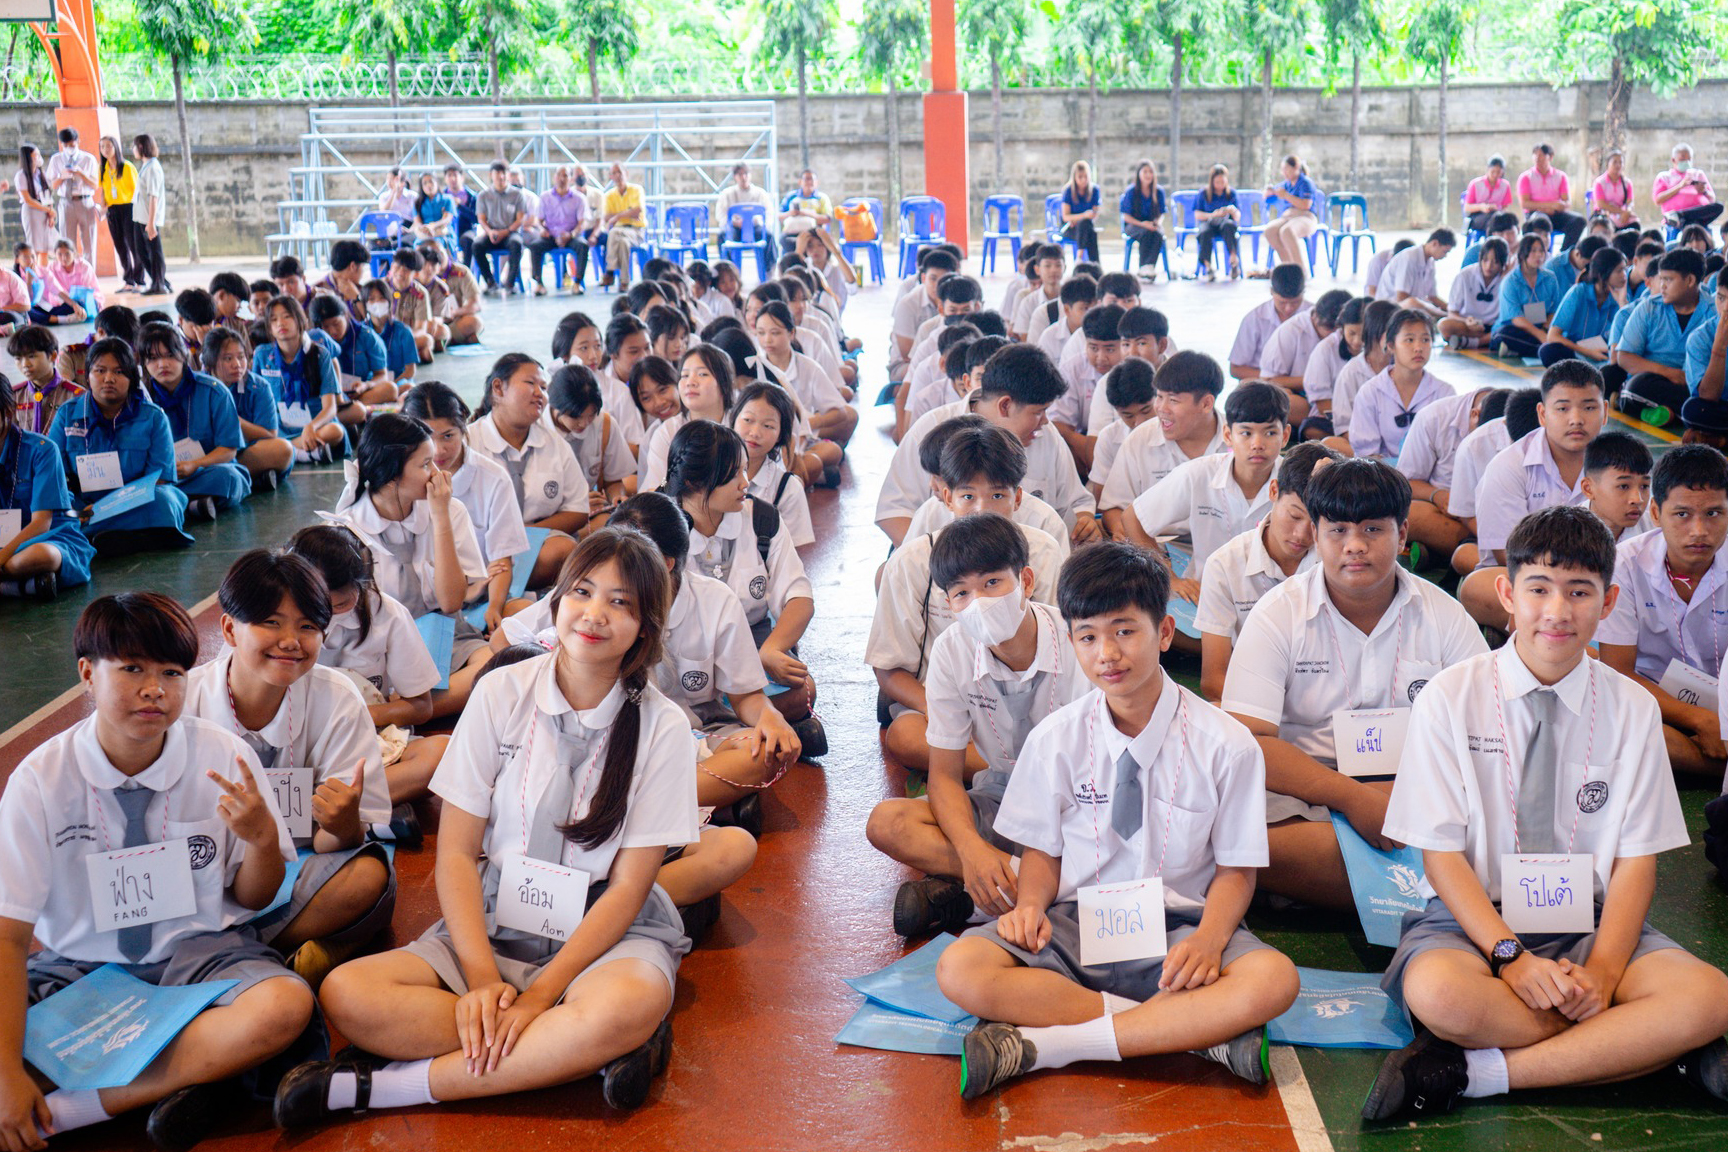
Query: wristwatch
x=1503 y=953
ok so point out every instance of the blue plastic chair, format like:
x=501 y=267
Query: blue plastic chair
x=1164 y=254
x=1053 y=226
x=1184 y=206
x=1251 y=225
x=751 y=221
x=923 y=224
x=1345 y=229
x=685 y=233
x=499 y=258
x=1316 y=241
x=1004 y=219
x=1471 y=235
x=871 y=248
x=380 y=228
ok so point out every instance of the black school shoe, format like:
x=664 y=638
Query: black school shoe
x=182 y=1119
x=303 y=1096
x=812 y=738
x=1707 y=1068
x=1425 y=1077
x=625 y=1081
x=934 y=904
x=745 y=814
x=700 y=917
x=991 y=1054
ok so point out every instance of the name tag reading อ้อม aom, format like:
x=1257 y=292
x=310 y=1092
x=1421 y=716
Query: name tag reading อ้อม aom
x=540 y=897
x=1369 y=741
x=293 y=788
x=141 y=885
x=1122 y=922
x=1551 y=892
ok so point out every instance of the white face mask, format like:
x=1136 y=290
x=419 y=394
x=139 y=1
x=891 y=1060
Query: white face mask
x=993 y=620
x=378 y=310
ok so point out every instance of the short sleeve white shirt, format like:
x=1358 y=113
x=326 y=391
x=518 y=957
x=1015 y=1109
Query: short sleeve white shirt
x=1431 y=442
x=1032 y=512
x=485 y=490
x=616 y=402
x=601 y=451
x=1287 y=350
x=1202 y=498
x=393 y=657
x=1522 y=479
x=1357 y=371
x=1257 y=328
x=1474 y=452
x=1237 y=577
x=552 y=481
x=732 y=556
x=906 y=485
x=414 y=583
x=1374 y=429
x=1650 y=615
x=1468 y=288
x=1147 y=457
x=1324 y=364
x=793 y=502
x=1410 y=272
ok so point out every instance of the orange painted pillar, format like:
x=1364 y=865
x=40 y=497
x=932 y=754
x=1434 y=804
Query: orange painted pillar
x=71 y=45
x=947 y=166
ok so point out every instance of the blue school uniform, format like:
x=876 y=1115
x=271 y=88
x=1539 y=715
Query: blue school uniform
x=1579 y=317
x=32 y=480
x=1561 y=265
x=201 y=409
x=1515 y=293
x=361 y=352
x=1698 y=344
x=255 y=403
x=139 y=434
x=1472 y=255
x=399 y=349
x=297 y=398
x=1654 y=331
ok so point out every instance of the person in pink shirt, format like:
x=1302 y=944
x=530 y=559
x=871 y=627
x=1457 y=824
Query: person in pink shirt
x=1612 y=193
x=14 y=302
x=60 y=304
x=1683 y=193
x=1544 y=188
x=1488 y=194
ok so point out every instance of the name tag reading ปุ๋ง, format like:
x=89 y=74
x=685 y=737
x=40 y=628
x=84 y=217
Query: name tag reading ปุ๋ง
x=1122 y=921
x=141 y=885
x=1369 y=741
x=187 y=450
x=1688 y=685
x=1550 y=892
x=293 y=789
x=99 y=471
x=11 y=523
x=539 y=897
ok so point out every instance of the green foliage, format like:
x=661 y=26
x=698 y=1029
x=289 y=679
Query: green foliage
x=376 y=27
x=996 y=28
x=512 y=28
x=1353 y=28
x=1098 y=36
x=606 y=26
x=195 y=29
x=1660 y=42
x=292 y=26
x=891 y=34
x=1434 y=33
x=788 y=26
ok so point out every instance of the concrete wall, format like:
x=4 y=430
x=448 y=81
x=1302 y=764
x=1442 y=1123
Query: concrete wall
x=241 y=151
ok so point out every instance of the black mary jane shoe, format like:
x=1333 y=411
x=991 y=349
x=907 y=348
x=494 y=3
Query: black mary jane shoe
x=303 y=1096
x=626 y=1080
x=182 y=1119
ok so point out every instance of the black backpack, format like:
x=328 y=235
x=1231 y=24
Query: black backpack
x=765 y=519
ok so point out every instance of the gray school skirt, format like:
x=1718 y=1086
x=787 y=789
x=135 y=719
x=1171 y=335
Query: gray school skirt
x=1435 y=927
x=316 y=871
x=1135 y=979
x=656 y=937
x=236 y=954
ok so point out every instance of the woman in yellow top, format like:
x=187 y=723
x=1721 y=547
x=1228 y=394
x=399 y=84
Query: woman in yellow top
x=117 y=184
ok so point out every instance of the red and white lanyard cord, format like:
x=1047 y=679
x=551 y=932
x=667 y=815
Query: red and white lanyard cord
x=1506 y=755
x=527 y=770
x=1397 y=651
x=1055 y=678
x=1170 y=805
x=1681 y=609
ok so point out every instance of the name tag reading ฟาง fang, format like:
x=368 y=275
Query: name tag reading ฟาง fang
x=293 y=788
x=1122 y=922
x=1548 y=893
x=1369 y=741
x=542 y=898
x=141 y=885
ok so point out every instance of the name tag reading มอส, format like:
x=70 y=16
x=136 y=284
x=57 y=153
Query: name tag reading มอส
x=1122 y=922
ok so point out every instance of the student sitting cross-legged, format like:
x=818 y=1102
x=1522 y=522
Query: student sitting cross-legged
x=1533 y=749
x=203 y=420
x=1185 y=426
x=990 y=680
x=138 y=773
x=1669 y=623
x=227 y=357
x=1356 y=632
x=1428 y=457
x=1138 y=780
x=47 y=551
x=1133 y=401
x=1503 y=419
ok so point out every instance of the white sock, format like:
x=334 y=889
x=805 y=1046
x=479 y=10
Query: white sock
x=1114 y=1003
x=1063 y=1044
x=382 y=831
x=343 y=1087
x=75 y=1109
x=1487 y=1067
x=401 y=1084
x=301 y=456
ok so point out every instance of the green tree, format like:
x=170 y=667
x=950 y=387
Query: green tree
x=891 y=32
x=1434 y=39
x=1099 y=37
x=1184 y=25
x=1656 y=44
x=797 y=29
x=507 y=31
x=366 y=26
x=1354 y=28
x=997 y=29
x=184 y=30
x=604 y=28
x=1275 y=30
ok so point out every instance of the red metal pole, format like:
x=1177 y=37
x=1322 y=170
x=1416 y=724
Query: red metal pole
x=947 y=167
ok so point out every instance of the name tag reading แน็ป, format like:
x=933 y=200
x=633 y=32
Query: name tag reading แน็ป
x=11 y=523
x=141 y=885
x=1122 y=921
x=293 y=788
x=540 y=897
x=1688 y=685
x=1369 y=741
x=187 y=450
x=1548 y=893
x=99 y=471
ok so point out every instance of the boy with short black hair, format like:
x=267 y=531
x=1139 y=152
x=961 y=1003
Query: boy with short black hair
x=934 y=513
x=1145 y=335
x=1129 y=390
x=1103 y=351
x=1427 y=457
x=1185 y=427
x=1047 y=265
x=929 y=384
x=991 y=679
x=1493 y=435
x=1079 y=293
x=915 y=307
x=1090 y=801
x=1617 y=483
x=1538 y=749
x=1650 y=354
x=1284 y=359
x=1288 y=283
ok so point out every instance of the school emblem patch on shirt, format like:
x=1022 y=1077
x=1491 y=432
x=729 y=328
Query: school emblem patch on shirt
x=1415 y=689
x=1592 y=795
x=551 y=489
x=759 y=586
x=694 y=681
x=202 y=849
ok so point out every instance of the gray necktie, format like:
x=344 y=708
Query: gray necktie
x=267 y=753
x=134 y=800
x=545 y=841
x=1536 y=785
x=1127 y=801
x=516 y=468
x=402 y=551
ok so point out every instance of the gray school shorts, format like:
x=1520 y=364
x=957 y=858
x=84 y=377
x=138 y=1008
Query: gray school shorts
x=236 y=954
x=657 y=938
x=1135 y=979
x=1435 y=927
x=316 y=871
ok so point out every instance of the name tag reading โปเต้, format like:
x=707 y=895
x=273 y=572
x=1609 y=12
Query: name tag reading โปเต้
x=1369 y=741
x=293 y=788
x=1688 y=685
x=1122 y=922
x=539 y=897
x=1548 y=893
x=141 y=885
x=99 y=471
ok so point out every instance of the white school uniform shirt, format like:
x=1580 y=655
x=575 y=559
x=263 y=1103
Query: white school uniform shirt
x=1040 y=322
x=600 y=450
x=925 y=339
x=655 y=451
x=1431 y=442
x=819 y=345
x=1201 y=775
x=393 y=657
x=59 y=808
x=1287 y=350
x=731 y=556
x=1104 y=449
x=935 y=391
x=1288 y=672
x=552 y=481
x=484 y=488
x=1651 y=615
x=793 y=502
x=1455 y=787
x=1375 y=269
x=1147 y=457
x=1410 y=271
x=1468 y=288
x=1029 y=303
x=1054 y=337
x=1237 y=577
x=1324 y=364
x=413 y=580
x=322 y=724
x=1032 y=512
x=1522 y=479
x=617 y=402
x=1202 y=498
x=910 y=311
x=1373 y=419
x=1257 y=328
x=505 y=751
x=841 y=291
x=972 y=696
x=1357 y=371
x=1074 y=407
x=804 y=378
x=1016 y=291
x=1471 y=460
x=911 y=612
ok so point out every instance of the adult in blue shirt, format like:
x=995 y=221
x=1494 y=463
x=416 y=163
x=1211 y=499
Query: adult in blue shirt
x=1650 y=361
x=1588 y=309
x=227 y=357
x=466 y=205
x=1519 y=330
x=203 y=419
x=46 y=551
x=434 y=213
x=1298 y=217
x=400 y=354
x=1569 y=263
x=1220 y=220
x=115 y=416
x=1142 y=208
x=300 y=367
x=1705 y=413
x=1080 y=211
x=361 y=362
